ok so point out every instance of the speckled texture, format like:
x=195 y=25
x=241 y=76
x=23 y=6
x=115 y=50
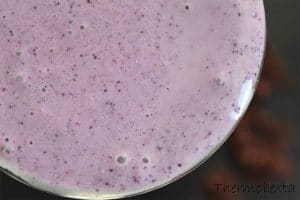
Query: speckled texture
x=114 y=97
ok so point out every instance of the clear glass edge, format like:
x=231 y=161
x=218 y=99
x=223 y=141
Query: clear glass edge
x=136 y=193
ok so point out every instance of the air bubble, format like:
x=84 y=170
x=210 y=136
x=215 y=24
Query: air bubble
x=19 y=78
x=121 y=159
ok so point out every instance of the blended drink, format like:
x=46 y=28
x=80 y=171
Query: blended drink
x=114 y=97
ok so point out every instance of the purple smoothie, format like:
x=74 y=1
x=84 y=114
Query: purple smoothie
x=108 y=98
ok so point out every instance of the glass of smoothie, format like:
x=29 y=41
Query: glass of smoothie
x=104 y=99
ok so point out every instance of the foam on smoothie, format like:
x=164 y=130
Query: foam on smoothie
x=104 y=98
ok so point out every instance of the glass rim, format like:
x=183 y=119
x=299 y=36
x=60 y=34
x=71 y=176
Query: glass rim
x=180 y=176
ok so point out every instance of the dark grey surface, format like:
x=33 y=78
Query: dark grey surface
x=284 y=27
x=284 y=30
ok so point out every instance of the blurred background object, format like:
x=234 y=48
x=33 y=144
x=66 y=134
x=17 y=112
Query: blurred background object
x=264 y=149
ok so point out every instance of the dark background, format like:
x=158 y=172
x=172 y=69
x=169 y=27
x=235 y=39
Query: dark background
x=283 y=17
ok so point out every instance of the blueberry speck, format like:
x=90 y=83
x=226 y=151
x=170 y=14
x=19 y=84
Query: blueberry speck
x=145 y=160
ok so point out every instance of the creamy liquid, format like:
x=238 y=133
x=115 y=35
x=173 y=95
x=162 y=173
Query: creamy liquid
x=112 y=97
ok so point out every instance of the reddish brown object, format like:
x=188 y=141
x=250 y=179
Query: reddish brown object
x=272 y=131
x=264 y=89
x=260 y=146
x=264 y=127
x=272 y=76
x=281 y=167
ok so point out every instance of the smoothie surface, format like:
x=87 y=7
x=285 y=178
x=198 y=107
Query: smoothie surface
x=103 y=98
